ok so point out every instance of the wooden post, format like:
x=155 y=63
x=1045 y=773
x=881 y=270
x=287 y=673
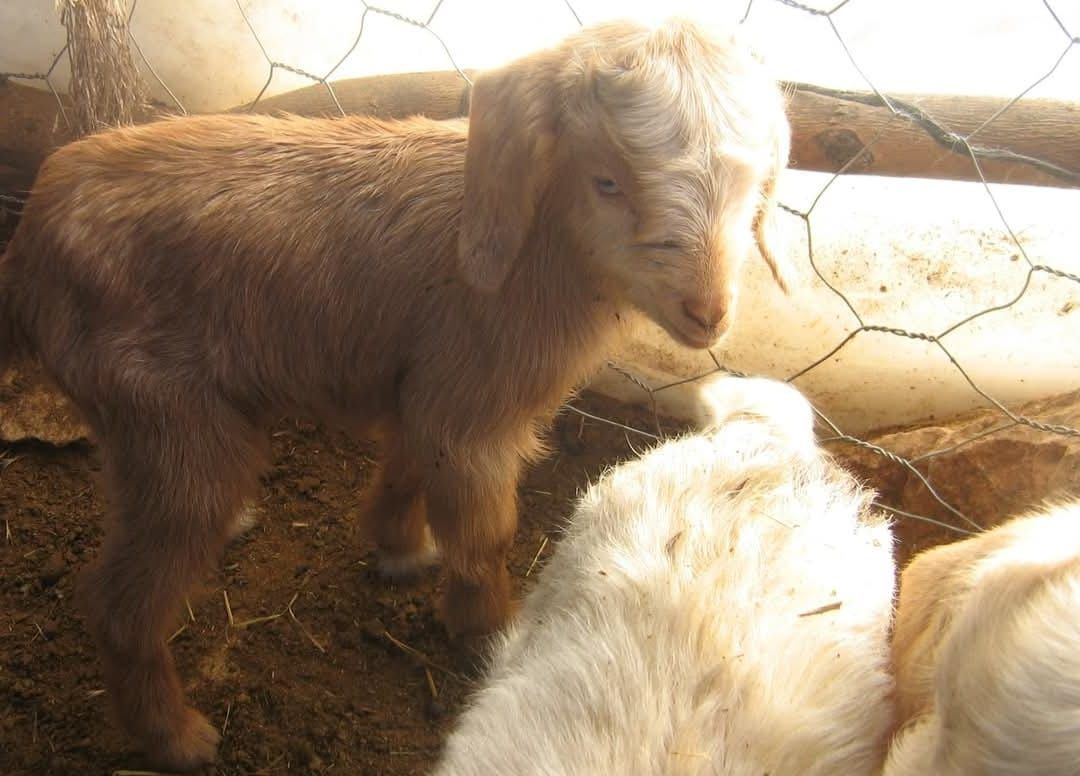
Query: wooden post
x=32 y=124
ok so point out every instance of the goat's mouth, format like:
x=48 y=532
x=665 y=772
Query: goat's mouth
x=668 y=310
x=691 y=333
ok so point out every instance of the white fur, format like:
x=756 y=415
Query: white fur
x=678 y=628
x=987 y=651
x=244 y=521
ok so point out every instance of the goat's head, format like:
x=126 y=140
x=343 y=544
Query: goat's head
x=657 y=150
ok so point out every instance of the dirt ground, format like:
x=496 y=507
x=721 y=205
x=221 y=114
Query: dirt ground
x=356 y=676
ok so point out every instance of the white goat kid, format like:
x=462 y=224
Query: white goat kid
x=721 y=605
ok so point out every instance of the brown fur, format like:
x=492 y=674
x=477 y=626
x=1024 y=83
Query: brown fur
x=985 y=651
x=188 y=281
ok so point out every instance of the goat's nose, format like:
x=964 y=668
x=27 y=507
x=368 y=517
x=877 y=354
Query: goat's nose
x=707 y=313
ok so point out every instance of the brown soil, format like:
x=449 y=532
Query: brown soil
x=358 y=679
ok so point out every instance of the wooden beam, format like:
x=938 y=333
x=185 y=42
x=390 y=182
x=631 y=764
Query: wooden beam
x=437 y=95
x=1032 y=141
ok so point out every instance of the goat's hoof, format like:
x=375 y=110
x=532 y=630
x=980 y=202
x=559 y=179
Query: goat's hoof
x=472 y=610
x=399 y=568
x=193 y=746
x=470 y=655
x=242 y=523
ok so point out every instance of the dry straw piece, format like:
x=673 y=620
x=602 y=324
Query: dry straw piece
x=106 y=89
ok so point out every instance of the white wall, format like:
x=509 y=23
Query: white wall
x=205 y=53
x=910 y=254
x=938 y=249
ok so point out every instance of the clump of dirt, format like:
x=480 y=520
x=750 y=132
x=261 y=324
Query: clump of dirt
x=326 y=668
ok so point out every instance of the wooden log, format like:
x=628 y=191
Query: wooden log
x=1032 y=142
x=437 y=95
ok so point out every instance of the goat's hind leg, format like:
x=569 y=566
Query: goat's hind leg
x=175 y=489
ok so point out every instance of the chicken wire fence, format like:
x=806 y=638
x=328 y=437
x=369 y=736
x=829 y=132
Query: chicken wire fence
x=967 y=143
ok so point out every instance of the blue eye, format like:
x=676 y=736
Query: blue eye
x=607 y=186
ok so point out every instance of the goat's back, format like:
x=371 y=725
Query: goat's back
x=269 y=256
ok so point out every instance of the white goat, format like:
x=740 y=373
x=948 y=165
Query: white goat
x=721 y=605
x=987 y=652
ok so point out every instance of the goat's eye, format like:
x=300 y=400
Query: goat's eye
x=607 y=186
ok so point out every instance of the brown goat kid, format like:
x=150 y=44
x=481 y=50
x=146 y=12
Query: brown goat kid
x=188 y=281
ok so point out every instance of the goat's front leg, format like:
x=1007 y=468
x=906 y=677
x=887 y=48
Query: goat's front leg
x=472 y=510
x=396 y=513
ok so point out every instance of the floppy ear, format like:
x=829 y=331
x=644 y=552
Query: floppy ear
x=765 y=228
x=511 y=133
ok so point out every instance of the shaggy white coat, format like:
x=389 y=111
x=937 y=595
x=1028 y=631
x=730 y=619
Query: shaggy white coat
x=720 y=606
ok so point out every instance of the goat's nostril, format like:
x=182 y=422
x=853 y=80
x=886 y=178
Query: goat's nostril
x=705 y=313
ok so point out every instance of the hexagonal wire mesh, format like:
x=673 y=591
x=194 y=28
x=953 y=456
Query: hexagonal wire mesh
x=966 y=143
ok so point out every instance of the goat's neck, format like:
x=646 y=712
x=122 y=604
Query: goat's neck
x=555 y=320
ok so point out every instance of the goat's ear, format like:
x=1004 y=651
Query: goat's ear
x=511 y=133
x=765 y=229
